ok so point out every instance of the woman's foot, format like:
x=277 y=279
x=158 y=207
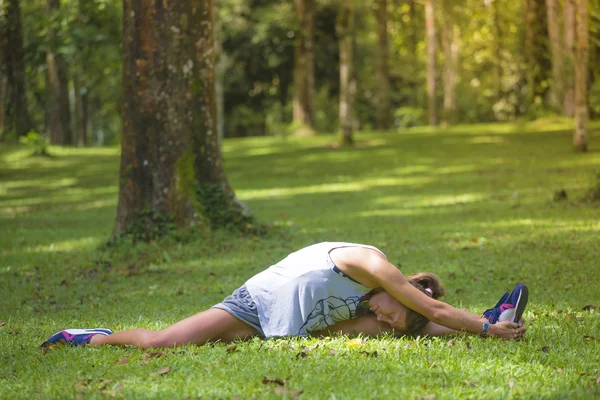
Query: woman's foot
x=75 y=337
x=510 y=307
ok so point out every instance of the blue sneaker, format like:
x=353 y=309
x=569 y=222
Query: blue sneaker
x=510 y=307
x=75 y=337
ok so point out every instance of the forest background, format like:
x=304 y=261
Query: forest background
x=413 y=63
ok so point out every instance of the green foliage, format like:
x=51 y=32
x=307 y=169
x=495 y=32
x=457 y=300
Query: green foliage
x=406 y=117
x=37 y=142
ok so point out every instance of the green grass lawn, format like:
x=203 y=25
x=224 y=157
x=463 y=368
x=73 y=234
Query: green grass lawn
x=473 y=204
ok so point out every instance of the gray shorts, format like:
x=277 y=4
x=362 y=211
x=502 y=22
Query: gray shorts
x=240 y=305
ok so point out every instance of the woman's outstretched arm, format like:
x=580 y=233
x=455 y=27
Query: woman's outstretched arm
x=371 y=269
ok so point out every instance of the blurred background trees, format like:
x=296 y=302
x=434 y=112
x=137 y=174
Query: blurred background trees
x=279 y=65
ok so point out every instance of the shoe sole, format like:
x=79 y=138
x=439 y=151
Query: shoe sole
x=521 y=304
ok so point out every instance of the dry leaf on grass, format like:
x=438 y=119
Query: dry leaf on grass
x=231 y=348
x=276 y=381
x=161 y=371
x=288 y=392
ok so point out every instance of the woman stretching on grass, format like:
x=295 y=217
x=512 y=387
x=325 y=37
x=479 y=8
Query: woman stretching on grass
x=309 y=292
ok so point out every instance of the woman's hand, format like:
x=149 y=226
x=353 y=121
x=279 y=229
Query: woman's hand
x=508 y=330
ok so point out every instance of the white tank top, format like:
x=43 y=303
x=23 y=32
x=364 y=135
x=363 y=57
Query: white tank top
x=305 y=292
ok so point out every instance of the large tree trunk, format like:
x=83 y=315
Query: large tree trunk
x=20 y=122
x=220 y=68
x=3 y=72
x=345 y=31
x=382 y=97
x=304 y=67
x=171 y=170
x=430 y=33
x=580 y=138
x=554 y=38
x=569 y=58
x=450 y=43
x=59 y=119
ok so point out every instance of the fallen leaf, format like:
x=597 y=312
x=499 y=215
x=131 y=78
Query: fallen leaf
x=2 y=323
x=429 y=397
x=560 y=370
x=451 y=343
x=545 y=349
x=276 y=381
x=161 y=371
x=288 y=392
x=158 y=354
x=588 y=338
x=231 y=348
x=332 y=352
x=589 y=307
x=83 y=384
x=302 y=354
x=109 y=393
x=123 y=361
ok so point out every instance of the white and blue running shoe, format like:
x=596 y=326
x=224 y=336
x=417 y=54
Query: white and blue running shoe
x=75 y=337
x=510 y=307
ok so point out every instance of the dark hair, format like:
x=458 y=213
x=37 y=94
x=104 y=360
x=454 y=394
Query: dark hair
x=422 y=281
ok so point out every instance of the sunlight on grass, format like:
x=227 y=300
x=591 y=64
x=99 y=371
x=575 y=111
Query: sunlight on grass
x=474 y=204
x=66 y=245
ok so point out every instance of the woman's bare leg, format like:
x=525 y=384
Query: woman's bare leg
x=210 y=325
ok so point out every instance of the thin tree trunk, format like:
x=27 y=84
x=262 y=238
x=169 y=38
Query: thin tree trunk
x=80 y=112
x=430 y=32
x=304 y=72
x=19 y=114
x=580 y=138
x=171 y=170
x=569 y=58
x=530 y=50
x=345 y=31
x=382 y=97
x=450 y=45
x=556 y=52
x=59 y=117
x=494 y=23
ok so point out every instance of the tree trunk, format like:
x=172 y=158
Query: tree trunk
x=220 y=68
x=3 y=72
x=556 y=53
x=494 y=23
x=345 y=31
x=171 y=171
x=569 y=58
x=450 y=40
x=430 y=32
x=80 y=102
x=59 y=121
x=382 y=97
x=580 y=138
x=20 y=122
x=304 y=67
